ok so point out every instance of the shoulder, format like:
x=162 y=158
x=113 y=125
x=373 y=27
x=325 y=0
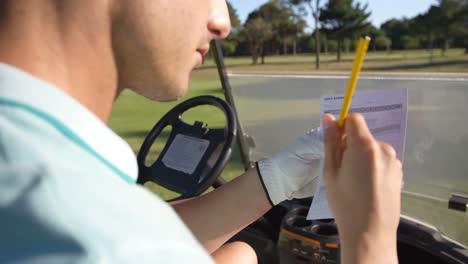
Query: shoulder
x=21 y=163
x=75 y=208
x=23 y=135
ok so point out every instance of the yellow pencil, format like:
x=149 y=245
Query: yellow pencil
x=353 y=78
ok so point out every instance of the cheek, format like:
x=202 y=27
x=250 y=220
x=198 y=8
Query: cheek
x=160 y=46
x=170 y=80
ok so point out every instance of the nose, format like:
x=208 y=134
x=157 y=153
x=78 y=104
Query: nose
x=219 y=23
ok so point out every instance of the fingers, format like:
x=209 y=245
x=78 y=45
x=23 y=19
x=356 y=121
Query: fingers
x=390 y=155
x=358 y=134
x=332 y=140
x=356 y=129
x=387 y=150
x=399 y=165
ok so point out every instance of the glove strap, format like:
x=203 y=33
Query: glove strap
x=263 y=184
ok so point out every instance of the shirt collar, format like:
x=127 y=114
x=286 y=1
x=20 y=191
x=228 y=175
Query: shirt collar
x=21 y=87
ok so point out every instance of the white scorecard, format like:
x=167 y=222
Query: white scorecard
x=385 y=112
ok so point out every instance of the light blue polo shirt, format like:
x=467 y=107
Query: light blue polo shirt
x=67 y=192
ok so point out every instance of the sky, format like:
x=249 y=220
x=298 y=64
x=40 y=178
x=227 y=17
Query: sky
x=382 y=10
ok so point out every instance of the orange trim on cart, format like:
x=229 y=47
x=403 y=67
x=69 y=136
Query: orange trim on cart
x=331 y=245
x=303 y=238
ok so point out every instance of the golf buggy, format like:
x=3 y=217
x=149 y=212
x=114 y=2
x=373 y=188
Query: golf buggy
x=266 y=111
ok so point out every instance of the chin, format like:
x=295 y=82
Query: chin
x=171 y=89
x=166 y=96
x=163 y=90
x=175 y=93
x=169 y=98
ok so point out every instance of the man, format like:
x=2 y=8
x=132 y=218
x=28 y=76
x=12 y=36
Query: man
x=64 y=176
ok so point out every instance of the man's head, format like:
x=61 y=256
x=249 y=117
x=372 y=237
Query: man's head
x=157 y=43
x=91 y=48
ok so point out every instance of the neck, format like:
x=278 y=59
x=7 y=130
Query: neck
x=67 y=43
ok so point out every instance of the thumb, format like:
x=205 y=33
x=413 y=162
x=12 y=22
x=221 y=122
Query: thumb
x=332 y=142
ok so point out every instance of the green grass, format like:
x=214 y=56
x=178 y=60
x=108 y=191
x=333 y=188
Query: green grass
x=453 y=224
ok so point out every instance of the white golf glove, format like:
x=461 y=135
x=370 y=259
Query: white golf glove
x=293 y=172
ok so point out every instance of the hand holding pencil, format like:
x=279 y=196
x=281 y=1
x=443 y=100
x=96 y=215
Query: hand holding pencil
x=363 y=179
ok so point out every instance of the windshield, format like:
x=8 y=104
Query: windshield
x=274 y=109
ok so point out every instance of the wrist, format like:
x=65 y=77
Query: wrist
x=259 y=189
x=369 y=248
x=260 y=178
x=268 y=176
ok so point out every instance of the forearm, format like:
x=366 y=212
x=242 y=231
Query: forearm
x=215 y=217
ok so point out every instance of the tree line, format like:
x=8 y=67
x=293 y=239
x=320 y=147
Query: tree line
x=279 y=27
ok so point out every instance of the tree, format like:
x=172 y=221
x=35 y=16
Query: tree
x=232 y=41
x=347 y=43
x=324 y=43
x=256 y=32
x=462 y=22
x=375 y=34
x=295 y=27
x=344 y=19
x=447 y=20
x=461 y=18
x=409 y=42
x=235 y=21
x=304 y=43
x=284 y=23
x=425 y=25
x=314 y=6
x=383 y=42
x=332 y=45
x=395 y=29
x=288 y=28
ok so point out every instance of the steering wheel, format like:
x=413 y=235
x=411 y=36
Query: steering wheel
x=194 y=155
